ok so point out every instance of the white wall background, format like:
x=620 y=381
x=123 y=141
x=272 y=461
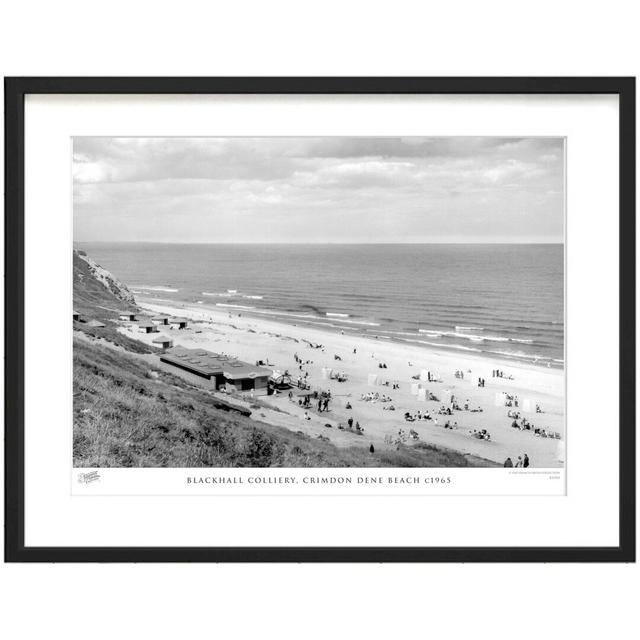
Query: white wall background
x=322 y=38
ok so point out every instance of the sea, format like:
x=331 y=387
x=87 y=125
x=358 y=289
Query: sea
x=502 y=300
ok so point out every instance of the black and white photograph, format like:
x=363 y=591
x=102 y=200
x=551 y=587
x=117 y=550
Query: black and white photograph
x=321 y=302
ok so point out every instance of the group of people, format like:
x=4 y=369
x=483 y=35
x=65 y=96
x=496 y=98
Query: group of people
x=522 y=462
x=375 y=397
x=480 y=434
x=525 y=425
x=351 y=425
x=511 y=401
x=412 y=417
x=300 y=361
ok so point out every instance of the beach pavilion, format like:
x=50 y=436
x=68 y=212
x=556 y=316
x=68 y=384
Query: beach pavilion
x=127 y=316
x=160 y=320
x=216 y=371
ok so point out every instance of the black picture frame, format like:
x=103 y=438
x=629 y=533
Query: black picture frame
x=15 y=91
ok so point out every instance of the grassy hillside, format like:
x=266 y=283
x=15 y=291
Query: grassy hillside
x=126 y=417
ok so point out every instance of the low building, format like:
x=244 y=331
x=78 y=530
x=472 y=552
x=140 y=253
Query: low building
x=178 y=323
x=163 y=342
x=95 y=323
x=127 y=316
x=147 y=327
x=76 y=316
x=216 y=371
x=160 y=319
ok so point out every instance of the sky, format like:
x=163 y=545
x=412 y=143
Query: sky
x=317 y=190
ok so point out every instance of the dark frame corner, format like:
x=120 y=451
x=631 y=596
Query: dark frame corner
x=15 y=91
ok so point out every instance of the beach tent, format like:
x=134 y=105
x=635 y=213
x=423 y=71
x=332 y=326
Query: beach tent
x=415 y=386
x=499 y=399
x=372 y=380
x=423 y=395
x=326 y=373
x=527 y=405
x=424 y=375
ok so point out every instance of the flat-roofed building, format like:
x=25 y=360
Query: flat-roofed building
x=178 y=323
x=127 y=316
x=163 y=342
x=76 y=316
x=160 y=319
x=216 y=371
x=95 y=323
x=147 y=327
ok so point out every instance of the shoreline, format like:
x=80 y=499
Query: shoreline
x=260 y=338
x=193 y=310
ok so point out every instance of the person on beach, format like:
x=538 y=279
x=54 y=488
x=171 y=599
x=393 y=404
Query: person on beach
x=519 y=463
x=371 y=449
x=525 y=463
x=508 y=462
x=350 y=422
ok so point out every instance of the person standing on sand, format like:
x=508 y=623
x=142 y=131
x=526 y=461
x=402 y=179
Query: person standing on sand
x=508 y=462
x=519 y=463
x=371 y=449
x=525 y=464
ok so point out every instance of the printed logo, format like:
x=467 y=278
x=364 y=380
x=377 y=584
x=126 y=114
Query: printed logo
x=86 y=478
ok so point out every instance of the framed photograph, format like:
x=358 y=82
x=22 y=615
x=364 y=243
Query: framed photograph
x=320 y=319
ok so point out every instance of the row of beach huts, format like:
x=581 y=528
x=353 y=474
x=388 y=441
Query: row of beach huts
x=214 y=371
x=150 y=325
x=144 y=325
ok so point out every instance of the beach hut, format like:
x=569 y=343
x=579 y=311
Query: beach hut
x=415 y=387
x=424 y=375
x=147 y=327
x=372 y=380
x=160 y=320
x=178 y=323
x=95 y=323
x=326 y=373
x=76 y=316
x=423 y=395
x=163 y=342
x=127 y=316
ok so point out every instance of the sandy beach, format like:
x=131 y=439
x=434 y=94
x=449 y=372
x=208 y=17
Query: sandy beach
x=252 y=339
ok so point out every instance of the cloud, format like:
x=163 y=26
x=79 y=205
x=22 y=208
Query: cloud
x=194 y=188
